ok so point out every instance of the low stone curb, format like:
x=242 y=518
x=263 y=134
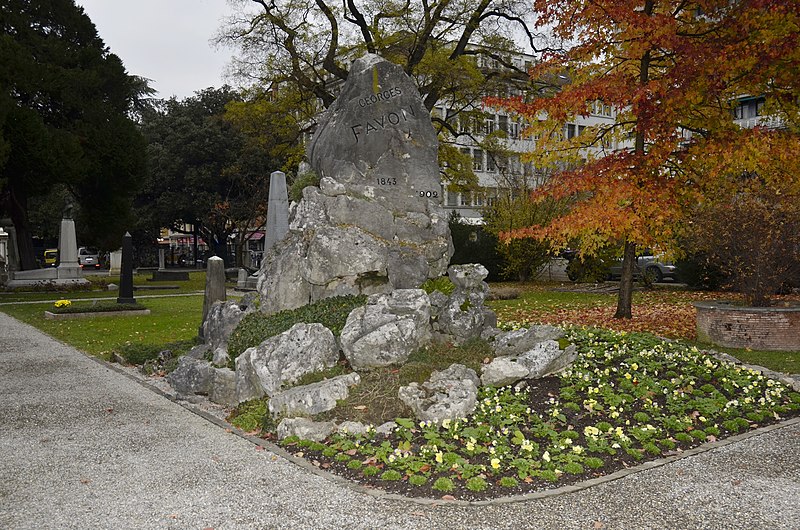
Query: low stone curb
x=90 y=314
x=427 y=501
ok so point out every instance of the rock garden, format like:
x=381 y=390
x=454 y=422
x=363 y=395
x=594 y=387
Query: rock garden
x=390 y=391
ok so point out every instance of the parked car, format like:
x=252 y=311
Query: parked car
x=89 y=258
x=51 y=257
x=654 y=266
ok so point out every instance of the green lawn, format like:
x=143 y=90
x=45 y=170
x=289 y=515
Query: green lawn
x=171 y=319
x=99 y=288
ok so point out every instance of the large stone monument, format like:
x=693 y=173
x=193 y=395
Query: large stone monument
x=375 y=223
x=68 y=270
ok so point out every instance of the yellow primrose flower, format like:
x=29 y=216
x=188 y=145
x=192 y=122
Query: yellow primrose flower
x=439 y=457
x=495 y=463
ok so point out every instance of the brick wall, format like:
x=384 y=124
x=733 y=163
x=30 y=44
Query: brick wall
x=768 y=328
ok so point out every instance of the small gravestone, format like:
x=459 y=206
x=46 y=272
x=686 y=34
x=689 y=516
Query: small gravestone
x=115 y=263
x=277 y=210
x=215 y=286
x=375 y=223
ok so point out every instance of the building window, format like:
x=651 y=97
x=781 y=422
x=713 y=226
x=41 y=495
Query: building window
x=570 y=130
x=488 y=125
x=502 y=123
x=464 y=199
x=477 y=160
x=452 y=198
x=490 y=163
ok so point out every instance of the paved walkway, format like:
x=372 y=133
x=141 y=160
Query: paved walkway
x=83 y=446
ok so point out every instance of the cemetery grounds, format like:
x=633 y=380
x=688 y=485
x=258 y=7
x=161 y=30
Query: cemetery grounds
x=620 y=404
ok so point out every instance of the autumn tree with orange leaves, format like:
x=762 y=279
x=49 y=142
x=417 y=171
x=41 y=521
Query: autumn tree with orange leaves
x=673 y=71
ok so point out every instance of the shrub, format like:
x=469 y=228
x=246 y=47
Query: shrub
x=417 y=480
x=139 y=354
x=477 y=484
x=249 y=416
x=444 y=484
x=257 y=327
x=509 y=482
x=391 y=474
x=441 y=284
x=301 y=182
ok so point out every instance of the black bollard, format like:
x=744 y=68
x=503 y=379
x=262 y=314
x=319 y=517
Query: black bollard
x=126 y=275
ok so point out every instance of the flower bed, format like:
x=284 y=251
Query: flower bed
x=64 y=309
x=628 y=398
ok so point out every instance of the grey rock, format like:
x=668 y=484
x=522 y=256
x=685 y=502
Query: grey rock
x=547 y=358
x=503 y=371
x=314 y=398
x=223 y=387
x=249 y=301
x=281 y=283
x=284 y=358
x=378 y=127
x=464 y=315
x=387 y=330
x=519 y=341
x=192 y=376
x=386 y=428
x=198 y=352
x=352 y=427
x=376 y=222
x=221 y=321
x=344 y=252
x=438 y=301
x=469 y=276
x=443 y=396
x=305 y=429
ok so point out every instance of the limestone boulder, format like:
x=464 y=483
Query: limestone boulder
x=352 y=427
x=503 y=371
x=547 y=358
x=305 y=429
x=283 y=359
x=464 y=315
x=387 y=330
x=314 y=398
x=540 y=360
x=192 y=376
x=519 y=341
x=448 y=394
x=223 y=387
x=222 y=319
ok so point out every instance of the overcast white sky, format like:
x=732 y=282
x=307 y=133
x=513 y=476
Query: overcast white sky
x=167 y=41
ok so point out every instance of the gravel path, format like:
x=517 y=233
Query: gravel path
x=83 y=446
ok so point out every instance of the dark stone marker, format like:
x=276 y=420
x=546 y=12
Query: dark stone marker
x=126 y=275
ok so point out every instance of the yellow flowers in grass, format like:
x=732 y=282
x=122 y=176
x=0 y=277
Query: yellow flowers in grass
x=62 y=303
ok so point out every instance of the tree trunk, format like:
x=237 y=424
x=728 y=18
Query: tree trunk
x=626 y=282
x=18 y=211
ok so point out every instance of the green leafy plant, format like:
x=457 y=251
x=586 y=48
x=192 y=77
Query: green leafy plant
x=256 y=327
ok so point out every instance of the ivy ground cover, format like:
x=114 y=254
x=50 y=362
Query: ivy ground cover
x=628 y=398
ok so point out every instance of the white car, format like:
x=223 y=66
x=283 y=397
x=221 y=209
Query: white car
x=89 y=258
